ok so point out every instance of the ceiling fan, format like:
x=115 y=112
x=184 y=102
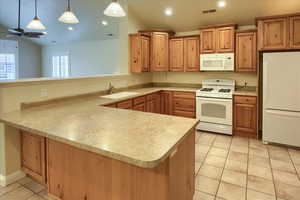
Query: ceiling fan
x=21 y=32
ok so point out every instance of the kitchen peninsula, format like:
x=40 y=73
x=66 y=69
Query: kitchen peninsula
x=83 y=150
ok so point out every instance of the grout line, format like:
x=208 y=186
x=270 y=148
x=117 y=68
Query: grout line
x=224 y=167
x=273 y=179
x=247 y=172
x=293 y=164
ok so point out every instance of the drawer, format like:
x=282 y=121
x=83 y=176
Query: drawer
x=150 y=97
x=140 y=107
x=111 y=105
x=185 y=95
x=182 y=113
x=184 y=104
x=139 y=100
x=245 y=99
x=127 y=104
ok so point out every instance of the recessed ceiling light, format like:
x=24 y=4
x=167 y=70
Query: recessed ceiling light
x=104 y=23
x=70 y=28
x=222 y=4
x=169 y=11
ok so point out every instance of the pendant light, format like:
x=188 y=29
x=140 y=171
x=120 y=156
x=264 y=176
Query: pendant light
x=114 y=9
x=68 y=16
x=36 y=23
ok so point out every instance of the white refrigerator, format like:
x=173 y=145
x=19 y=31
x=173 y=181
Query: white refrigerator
x=281 y=98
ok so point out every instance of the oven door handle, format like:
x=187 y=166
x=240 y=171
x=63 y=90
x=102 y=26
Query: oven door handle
x=213 y=99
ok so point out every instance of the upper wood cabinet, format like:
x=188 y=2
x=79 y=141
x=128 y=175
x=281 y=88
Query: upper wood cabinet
x=279 y=32
x=33 y=156
x=139 y=53
x=295 y=32
x=177 y=55
x=159 y=52
x=191 y=54
x=217 y=38
x=272 y=34
x=225 y=39
x=184 y=54
x=208 y=41
x=246 y=51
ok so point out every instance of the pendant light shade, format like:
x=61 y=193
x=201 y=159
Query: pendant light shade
x=36 y=23
x=114 y=9
x=68 y=16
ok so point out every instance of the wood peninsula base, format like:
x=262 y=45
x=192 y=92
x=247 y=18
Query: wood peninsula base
x=76 y=174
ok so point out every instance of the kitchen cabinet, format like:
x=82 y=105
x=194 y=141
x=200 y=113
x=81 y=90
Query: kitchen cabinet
x=159 y=52
x=33 y=156
x=111 y=105
x=245 y=116
x=217 y=38
x=184 y=54
x=191 y=54
x=225 y=39
x=139 y=53
x=208 y=44
x=272 y=34
x=295 y=32
x=127 y=104
x=166 y=102
x=153 y=103
x=246 y=51
x=278 y=32
x=177 y=55
x=184 y=104
x=139 y=104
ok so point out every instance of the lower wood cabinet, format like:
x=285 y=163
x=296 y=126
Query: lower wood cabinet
x=33 y=156
x=245 y=116
x=127 y=104
x=139 y=104
x=166 y=102
x=184 y=104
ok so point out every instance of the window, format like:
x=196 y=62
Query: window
x=60 y=66
x=8 y=59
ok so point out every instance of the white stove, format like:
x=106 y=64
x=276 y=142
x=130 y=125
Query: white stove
x=214 y=105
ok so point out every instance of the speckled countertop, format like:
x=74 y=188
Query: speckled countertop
x=138 y=138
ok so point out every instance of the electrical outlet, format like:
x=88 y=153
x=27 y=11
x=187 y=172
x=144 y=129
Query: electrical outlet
x=44 y=92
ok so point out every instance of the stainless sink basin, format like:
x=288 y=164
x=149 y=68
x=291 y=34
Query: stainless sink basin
x=120 y=95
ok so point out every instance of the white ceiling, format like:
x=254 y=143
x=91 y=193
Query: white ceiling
x=89 y=12
x=188 y=13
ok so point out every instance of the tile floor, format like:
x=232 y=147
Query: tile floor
x=227 y=168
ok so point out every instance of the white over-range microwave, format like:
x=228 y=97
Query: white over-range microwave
x=217 y=62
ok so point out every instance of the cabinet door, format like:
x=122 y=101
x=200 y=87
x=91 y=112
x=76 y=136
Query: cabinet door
x=177 y=55
x=246 y=52
x=145 y=49
x=140 y=107
x=295 y=32
x=166 y=102
x=272 y=34
x=208 y=43
x=135 y=53
x=225 y=39
x=150 y=106
x=160 y=52
x=127 y=104
x=33 y=158
x=191 y=53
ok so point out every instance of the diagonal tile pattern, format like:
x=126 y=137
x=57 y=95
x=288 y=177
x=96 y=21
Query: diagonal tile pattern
x=226 y=168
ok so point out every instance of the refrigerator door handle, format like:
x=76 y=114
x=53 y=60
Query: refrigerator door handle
x=283 y=113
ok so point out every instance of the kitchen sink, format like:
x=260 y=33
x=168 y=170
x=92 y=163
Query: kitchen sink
x=120 y=95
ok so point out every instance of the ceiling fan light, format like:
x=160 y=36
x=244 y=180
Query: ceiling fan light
x=36 y=24
x=114 y=9
x=68 y=17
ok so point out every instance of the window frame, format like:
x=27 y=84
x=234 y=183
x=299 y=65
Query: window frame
x=61 y=54
x=5 y=50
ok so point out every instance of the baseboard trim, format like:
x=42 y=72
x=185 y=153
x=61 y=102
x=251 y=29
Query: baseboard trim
x=6 y=180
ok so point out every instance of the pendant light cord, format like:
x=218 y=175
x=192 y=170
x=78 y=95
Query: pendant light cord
x=19 y=15
x=68 y=5
x=35 y=8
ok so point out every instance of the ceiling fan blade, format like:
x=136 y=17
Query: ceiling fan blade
x=33 y=34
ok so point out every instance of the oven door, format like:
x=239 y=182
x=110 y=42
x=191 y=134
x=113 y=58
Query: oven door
x=213 y=110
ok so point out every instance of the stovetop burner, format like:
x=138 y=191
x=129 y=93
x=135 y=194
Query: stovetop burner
x=224 y=90
x=207 y=89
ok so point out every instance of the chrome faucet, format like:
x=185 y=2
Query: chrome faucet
x=110 y=88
